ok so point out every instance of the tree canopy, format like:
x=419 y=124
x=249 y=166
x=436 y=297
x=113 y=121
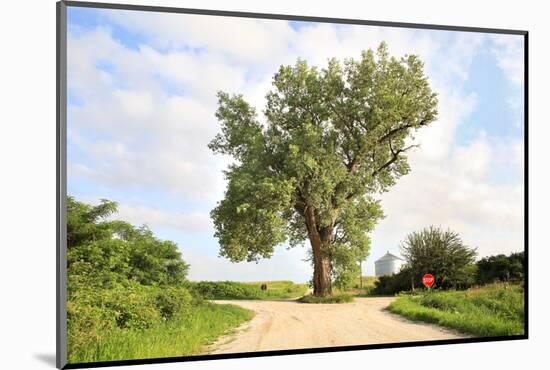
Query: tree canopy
x=103 y=252
x=331 y=140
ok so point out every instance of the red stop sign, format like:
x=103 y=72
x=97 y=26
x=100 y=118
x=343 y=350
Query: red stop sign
x=428 y=280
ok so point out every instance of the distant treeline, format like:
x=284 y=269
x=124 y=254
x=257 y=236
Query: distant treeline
x=501 y=268
x=248 y=290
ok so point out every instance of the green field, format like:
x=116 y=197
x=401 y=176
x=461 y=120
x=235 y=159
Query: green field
x=283 y=289
x=186 y=334
x=336 y=298
x=492 y=310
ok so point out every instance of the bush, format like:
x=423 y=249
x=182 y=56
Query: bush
x=133 y=307
x=171 y=300
x=393 y=284
x=86 y=324
x=440 y=253
x=340 y=298
x=226 y=290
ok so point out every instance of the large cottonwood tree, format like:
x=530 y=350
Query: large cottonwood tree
x=332 y=140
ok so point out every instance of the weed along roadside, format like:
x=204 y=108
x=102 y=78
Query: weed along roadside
x=492 y=310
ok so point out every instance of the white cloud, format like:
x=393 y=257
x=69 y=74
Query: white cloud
x=240 y=40
x=154 y=217
x=509 y=52
x=436 y=140
x=147 y=139
x=457 y=193
x=473 y=160
x=285 y=264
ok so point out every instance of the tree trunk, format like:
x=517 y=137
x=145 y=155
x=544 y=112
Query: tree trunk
x=320 y=241
x=361 y=275
x=322 y=273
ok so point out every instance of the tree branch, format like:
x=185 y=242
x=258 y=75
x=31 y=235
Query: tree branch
x=395 y=156
x=393 y=131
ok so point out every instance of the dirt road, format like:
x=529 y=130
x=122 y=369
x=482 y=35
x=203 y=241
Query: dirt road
x=292 y=325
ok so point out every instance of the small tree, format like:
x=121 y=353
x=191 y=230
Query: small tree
x=440 y=253
x=333 y=138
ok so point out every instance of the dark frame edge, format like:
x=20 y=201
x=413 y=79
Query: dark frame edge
x=526 y=180
x=288 y=17
x=61 y=190
x=162 y=360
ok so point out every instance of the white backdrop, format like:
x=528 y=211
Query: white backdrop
x=27 y=206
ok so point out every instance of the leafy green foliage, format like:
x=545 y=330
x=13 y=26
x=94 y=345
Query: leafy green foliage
x=238 y=290
x=493 y=310
x=346 y=270
x=83 y=221
x=103 y=252
x=333 y=139
x=440 y=253
x=127 y=290
x=393 y=284
x=337 y=298
x=500 y=268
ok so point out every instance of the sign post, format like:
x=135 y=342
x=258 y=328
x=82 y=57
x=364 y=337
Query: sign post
x=428 y=280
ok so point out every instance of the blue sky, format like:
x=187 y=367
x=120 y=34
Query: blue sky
x=141 y=103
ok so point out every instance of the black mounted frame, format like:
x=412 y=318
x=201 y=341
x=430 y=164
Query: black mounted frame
x=61 y=189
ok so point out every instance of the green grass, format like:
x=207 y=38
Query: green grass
x=248 y=290
x=185 y=334
x=337 y=298
x=488 y=311
x=282 y=289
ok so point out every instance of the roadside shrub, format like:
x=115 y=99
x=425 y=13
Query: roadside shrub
x=226 y=290
x=171 y=300
x=86 y=324
x=393 y=284
x=133 y=306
